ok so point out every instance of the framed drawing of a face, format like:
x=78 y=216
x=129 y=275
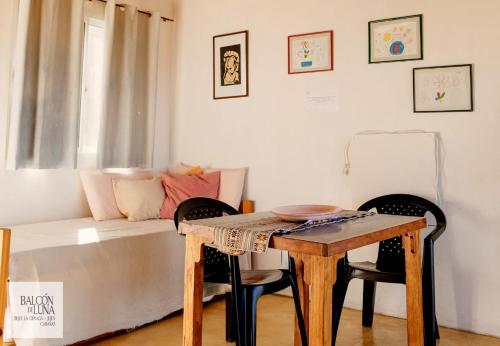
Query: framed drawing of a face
x=230 y=65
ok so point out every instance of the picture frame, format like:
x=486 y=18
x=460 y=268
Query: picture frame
x=310 y=52
x=443 y=89
x=230 y=65
x=395 y=39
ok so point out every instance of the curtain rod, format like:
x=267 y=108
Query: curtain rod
x=165 y=19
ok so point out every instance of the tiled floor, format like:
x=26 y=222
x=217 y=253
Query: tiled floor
x=275 y=327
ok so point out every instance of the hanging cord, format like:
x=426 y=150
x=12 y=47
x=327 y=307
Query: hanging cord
x=438 y=155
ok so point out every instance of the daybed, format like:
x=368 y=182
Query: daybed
x=116 y=274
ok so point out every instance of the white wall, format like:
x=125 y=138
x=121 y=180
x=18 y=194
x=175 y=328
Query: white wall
x=43 y=195
x=295 y=155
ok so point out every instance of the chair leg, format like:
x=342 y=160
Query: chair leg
x=436 y=329
x=251 y=297
x=369 y=289
x=240 y=322
x=230 y=318
x=298 y=309
x=428 y=295
x=339 y=293
x=431 y=329
x=238 y=301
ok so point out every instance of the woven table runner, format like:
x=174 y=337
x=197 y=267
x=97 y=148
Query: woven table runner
x=254 y=236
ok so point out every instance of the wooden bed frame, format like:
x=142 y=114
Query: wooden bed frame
x=4 y=274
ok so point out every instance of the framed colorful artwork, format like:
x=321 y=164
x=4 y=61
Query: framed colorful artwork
x=443 y=89
x=395 y=39
x=312 y=52
x=230 y=65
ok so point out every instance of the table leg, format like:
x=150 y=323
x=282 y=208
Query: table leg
x=414 y=307
x=193 y=291
x=304 y=296
x=320 y=274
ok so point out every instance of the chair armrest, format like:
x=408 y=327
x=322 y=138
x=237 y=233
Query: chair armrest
x=436 y=233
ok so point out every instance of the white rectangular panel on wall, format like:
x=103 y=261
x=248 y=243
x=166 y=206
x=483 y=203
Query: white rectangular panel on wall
x=392 y=163
x=385 y=163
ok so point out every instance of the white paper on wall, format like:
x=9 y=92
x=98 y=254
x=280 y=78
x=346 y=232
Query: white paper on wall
x=325 y=100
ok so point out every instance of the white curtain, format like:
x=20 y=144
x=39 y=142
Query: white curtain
x=45 y=85
x=130 y=87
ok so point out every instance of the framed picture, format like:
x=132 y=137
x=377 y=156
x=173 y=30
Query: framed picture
x=312 y=52
x=395 y=39
x=230 y=65
x=443 y=89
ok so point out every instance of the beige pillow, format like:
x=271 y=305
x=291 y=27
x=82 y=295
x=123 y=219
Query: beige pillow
x=98 y=189
x=231 y=186
x=139 y=199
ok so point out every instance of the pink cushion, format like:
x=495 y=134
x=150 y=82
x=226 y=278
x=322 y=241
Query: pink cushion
x=181 y=187
x=98 y=188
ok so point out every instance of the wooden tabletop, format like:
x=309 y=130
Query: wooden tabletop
x=323 y=240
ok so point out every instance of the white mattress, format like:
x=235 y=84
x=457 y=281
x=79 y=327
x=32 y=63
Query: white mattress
x=116 y=274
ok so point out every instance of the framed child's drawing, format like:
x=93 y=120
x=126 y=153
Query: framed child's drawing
x=443 y=89
x=395 y=39
x=312 y=52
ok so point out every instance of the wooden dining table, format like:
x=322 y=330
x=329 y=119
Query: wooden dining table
x=315 y=254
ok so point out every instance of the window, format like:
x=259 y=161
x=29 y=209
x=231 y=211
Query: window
x=91 y=95
x=82 y=97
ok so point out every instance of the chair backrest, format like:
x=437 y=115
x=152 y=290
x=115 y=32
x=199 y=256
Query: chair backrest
x=216 y=263
x=391 y=254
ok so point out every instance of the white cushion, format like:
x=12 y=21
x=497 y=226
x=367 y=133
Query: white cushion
x=232 y=182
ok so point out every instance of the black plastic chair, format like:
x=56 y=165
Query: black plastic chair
x=217 y=273
x=247 y=286
x=390 y=265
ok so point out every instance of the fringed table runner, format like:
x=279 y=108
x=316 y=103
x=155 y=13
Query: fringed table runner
x=235 y=237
